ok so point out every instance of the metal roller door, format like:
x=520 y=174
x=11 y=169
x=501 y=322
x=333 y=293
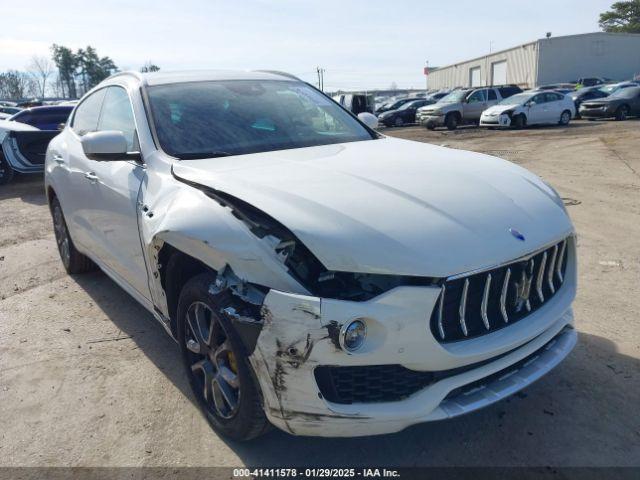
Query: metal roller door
x=499 y=73
x=474 y=77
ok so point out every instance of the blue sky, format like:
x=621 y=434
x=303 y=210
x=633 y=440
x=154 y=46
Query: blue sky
x=361 y=44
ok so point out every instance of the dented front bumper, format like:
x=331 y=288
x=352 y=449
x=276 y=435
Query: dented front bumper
x=301 y=332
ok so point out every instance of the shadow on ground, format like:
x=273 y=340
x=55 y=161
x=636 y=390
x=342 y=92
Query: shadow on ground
x=29 y=188
x=560 y=420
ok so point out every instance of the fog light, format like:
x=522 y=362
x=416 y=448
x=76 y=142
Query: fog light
x=352 y=335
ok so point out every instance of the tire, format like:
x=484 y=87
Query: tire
x=398 y=122
x=518 y=122
x=621 y=113
x=431 y=126
x=237 y=414
x=6 y=172
x=565 y=118
x=451 y=121
x=73 y=261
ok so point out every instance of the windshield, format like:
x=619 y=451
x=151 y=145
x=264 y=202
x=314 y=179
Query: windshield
x=220 y=118
x=609 y=89
x=408 y=105
x=516 y=99
x=628 y=92
x=454 y=97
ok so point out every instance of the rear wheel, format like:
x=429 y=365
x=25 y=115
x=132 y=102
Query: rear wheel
x=621 y=113
x=6 y=172
x=451 y=121
x=565 y=118
x=72 y=259
x=216 y=363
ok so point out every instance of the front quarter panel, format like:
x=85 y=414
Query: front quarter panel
x=197 y=225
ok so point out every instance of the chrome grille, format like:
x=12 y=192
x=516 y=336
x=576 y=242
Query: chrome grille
x=484 y=302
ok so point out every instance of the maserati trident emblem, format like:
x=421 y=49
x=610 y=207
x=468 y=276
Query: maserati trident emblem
x=523 y=288
x=516 y=234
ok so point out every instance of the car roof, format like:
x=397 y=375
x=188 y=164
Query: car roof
x=164 y=78
x=44 y=108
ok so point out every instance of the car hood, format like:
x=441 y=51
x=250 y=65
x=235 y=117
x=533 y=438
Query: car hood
x=604 y=101
x=498 y=109
x=393 y=206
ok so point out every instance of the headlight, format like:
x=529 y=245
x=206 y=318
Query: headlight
x=352 y=335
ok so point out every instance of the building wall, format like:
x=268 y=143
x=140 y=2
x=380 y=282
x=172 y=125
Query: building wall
x=552 y=60
x=565 y=59
x=521 y=69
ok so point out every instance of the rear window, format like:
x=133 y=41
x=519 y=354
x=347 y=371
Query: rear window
x=506 y=92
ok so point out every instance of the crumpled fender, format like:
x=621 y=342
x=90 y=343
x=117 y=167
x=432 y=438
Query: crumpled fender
x=202 y=228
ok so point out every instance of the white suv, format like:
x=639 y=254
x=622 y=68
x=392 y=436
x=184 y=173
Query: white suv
x=315 y=274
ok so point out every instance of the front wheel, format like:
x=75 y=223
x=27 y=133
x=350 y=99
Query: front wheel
x=216 y=363
x=451 y=121
x=622 y=113
x=518 y=121
x=565 y=118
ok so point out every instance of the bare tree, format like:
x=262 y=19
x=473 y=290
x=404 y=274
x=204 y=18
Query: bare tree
x=149 y=66
x=14 y=85
x=40 y=69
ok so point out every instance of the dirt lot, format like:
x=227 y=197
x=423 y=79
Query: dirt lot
x=88 y=378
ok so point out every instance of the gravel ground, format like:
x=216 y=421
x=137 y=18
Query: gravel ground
x=87 y=378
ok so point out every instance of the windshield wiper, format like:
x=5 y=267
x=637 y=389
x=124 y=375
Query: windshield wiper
x=196 y=155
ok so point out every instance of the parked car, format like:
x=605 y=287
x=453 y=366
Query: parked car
x=7 y=110
x=530 y=108
x=403 y=115
x=437 y=96
x=22 y=149
x=356 y=102
x=393 y=105
x=621 y=104
x=315 y=274
x=463 y=106
x=43 y=118
x=558 y=87
x=584 y=94
x=614 y=87
x=592 y=81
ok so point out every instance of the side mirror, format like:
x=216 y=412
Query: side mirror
x=369 y=119
x=106 y=146
x=61 y=126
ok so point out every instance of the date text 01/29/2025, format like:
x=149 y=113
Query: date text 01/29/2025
x=315 y=473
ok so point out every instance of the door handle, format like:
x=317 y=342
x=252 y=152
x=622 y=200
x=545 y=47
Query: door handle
x=58 y=159
x=92 y=177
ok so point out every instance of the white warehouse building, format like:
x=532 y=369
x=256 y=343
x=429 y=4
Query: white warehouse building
x=548 y=60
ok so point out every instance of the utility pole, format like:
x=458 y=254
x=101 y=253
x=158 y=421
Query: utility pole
x=320 y=72
x=426 y=75
x=486 y=64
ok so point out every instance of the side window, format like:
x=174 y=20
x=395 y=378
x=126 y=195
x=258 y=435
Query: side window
x=492 y=95
x=117 y=114
x=553 y=97
x=85 y=119
x=538 y=99
x=477 y=96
